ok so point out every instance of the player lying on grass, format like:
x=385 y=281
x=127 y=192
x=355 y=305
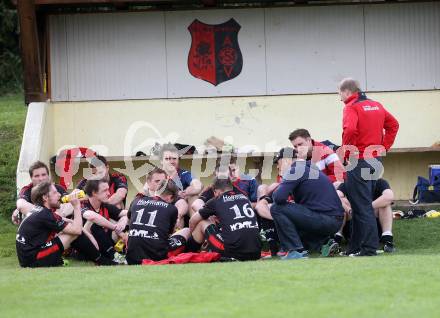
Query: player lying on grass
x=383 y=198
x=236 y=235
x=152 y=222
x=104 y=221
x=39 y=172
x=189 y=187
x=316 y=215
x=44 y=235
x=117 y=182
x=154 y=179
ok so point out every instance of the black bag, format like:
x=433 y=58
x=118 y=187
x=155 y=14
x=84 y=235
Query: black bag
x=424 y=192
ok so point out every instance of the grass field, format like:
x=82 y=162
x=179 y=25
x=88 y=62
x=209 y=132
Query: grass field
x=406 y=284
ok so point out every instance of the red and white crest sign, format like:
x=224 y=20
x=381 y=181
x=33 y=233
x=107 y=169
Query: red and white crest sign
x=215 y=55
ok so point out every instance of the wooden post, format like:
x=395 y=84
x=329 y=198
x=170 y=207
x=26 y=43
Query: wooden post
x=30 y=52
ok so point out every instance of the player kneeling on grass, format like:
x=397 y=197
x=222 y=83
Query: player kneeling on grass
x=152 y=220
x=316 y=215
x=283 y=160
x=105 y=222
x=37 y=241
x=383 y=198
x=237 y=234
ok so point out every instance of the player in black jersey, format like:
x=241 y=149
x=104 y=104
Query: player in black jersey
x=155 y=178
x=383 y=198
x=105 y=222
x=38 y=242
x=237 y=234
x=152 y=222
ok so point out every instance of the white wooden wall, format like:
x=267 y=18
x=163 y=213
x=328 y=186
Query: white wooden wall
x=143 y=55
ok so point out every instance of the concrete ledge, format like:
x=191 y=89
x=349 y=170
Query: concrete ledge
x=32 y=143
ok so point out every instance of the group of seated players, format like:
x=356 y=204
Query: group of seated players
x=305 y=210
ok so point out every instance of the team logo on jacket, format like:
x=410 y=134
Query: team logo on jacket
x=215 y=55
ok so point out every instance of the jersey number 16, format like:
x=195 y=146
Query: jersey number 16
x=247 y=211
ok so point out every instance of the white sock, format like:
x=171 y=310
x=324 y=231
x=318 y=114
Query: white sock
x=387 y=233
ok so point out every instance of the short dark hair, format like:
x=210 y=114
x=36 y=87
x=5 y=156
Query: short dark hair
x=98 y=161
x=222 y=184
x=303 y=133
x=39 y=191
x=37 y=165
x=92 y=186
x=155 y=171
x=350 y=85
x=168 y=147
x=286 y=152
x=168 y=187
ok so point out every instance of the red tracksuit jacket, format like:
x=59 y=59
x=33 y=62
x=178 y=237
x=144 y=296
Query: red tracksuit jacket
x=366 y=123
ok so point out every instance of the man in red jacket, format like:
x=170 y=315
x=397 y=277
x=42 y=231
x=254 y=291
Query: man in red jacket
x=369 y=131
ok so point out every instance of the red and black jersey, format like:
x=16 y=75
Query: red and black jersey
x=35 y=231
x=238 y=222
x=152 y=220
x=117 y=181
x=108 y=211
x=25 y=192
x=327 y=161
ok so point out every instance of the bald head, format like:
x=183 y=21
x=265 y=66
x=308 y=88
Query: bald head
x=348 y=87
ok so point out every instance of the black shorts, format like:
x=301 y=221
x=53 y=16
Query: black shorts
x=215 y=240
x=217 y=244
x=49 y=254
x=143 y=250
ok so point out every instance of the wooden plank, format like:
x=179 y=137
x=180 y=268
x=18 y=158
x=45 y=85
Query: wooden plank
x=256 y=155
x=30 y=51
x=415 y=150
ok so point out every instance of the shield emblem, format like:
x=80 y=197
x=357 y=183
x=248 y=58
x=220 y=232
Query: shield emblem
x=215 y=55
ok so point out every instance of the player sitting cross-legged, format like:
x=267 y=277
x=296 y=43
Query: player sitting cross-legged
x=39 y=241
x=152 y=222
x=104 y=221
x=155 y=178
